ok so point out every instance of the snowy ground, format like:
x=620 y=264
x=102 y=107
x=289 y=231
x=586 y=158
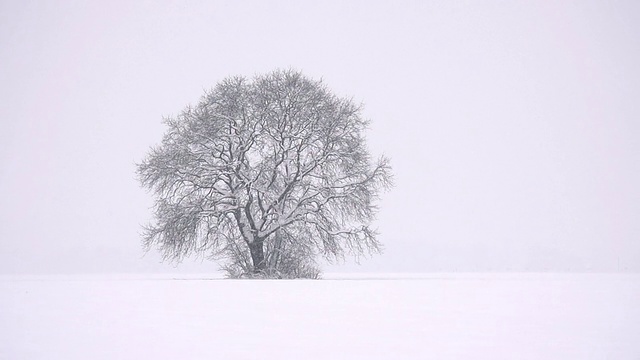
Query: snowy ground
x=433 y=316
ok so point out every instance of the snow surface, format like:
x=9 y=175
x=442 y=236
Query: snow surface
x=374 y=316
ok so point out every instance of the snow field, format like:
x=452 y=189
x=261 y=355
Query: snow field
x=523 y=316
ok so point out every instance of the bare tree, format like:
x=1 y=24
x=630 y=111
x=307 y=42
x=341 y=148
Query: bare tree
x=267 y=173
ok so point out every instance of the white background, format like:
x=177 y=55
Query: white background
x=513 y=126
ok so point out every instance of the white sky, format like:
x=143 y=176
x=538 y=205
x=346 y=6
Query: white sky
x=513 y=126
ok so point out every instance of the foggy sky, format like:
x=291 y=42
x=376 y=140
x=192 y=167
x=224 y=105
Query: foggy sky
x=513 y=127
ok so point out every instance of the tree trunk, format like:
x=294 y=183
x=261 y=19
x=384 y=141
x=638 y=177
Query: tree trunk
x=257 y=256
x=274 y=256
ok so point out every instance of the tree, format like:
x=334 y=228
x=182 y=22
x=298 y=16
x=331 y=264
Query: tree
x=267 y=174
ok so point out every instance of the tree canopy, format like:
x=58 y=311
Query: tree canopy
x=265 y=174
